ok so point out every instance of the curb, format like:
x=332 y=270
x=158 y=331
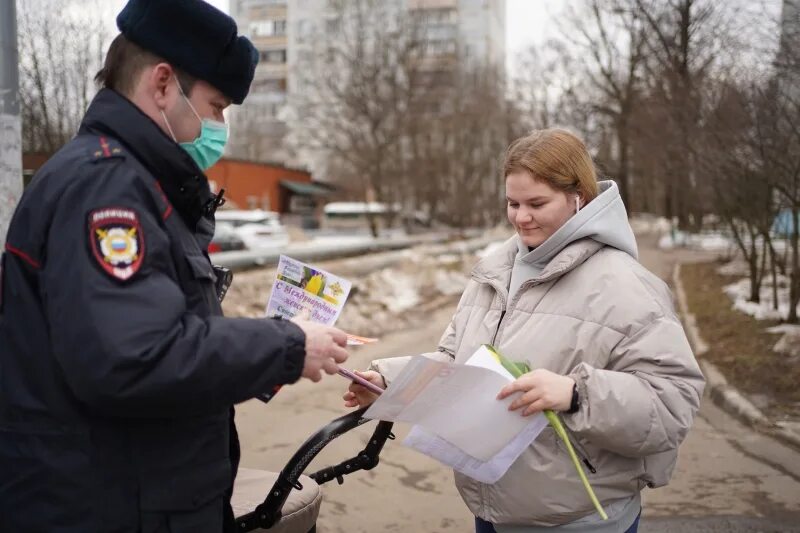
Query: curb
x=724 y=395
x=244 y=259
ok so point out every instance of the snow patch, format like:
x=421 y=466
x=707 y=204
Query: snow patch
x=489 y=250
x=708 y=241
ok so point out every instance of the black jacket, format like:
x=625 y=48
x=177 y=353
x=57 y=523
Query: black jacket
x=118 y=372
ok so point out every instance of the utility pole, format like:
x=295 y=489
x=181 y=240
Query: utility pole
x=10 y=126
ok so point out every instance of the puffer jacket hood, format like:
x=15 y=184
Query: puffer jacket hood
x=603 y=220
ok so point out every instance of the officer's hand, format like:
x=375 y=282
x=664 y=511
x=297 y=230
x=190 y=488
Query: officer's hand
x=324 y=349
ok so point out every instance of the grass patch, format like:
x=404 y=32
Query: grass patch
x=739 y=344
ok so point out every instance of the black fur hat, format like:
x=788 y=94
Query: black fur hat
x=195 y=37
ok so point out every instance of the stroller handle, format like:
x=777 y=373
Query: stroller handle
x=269 y=512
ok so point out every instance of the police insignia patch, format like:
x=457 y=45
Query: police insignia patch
x=117 y=242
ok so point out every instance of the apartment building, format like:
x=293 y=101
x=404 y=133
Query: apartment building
x=288 y=34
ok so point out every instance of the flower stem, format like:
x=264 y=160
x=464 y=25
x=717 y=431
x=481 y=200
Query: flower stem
x=561 y=432
x=517 y=370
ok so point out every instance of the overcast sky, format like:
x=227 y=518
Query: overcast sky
x=528 y=22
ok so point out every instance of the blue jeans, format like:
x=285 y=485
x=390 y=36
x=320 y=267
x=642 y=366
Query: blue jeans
x=482 y=526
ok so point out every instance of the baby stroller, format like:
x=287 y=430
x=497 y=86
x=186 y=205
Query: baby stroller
x=292 y=499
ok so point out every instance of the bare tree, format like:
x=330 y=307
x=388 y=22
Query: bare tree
x=743 y=190
x=403 y=117
x=258 y=134
x=684 y=39
x=61 y=47
x=751 y=146
x=464 y=138
x=609 y=44
x=353 y=98
x=778 y=140
x=543 y=101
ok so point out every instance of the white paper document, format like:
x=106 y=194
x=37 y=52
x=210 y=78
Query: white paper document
x=484 y=471
x=458 y=419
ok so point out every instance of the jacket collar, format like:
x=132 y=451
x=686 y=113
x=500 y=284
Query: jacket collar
x=497 y=266
x=182 y=181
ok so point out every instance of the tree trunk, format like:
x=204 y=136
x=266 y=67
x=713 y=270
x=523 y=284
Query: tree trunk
x=624 y=156
x=752 y=261
x=793 y=285
x=762 y=269
x=774 y=271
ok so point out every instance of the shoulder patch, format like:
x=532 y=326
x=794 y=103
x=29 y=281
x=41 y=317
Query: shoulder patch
x=116 y=240
x=106 y=148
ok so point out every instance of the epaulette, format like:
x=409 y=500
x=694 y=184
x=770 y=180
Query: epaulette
x=106 y=148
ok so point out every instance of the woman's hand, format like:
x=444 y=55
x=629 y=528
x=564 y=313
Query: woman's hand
x=358 y=395
x=541 y=389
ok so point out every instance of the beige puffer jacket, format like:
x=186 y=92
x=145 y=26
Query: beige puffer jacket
x=595 y=314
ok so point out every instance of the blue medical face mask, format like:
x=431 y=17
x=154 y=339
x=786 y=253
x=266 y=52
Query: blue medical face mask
x=206 y=149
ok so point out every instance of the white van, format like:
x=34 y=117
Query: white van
x=355 y=215
x=258 y=229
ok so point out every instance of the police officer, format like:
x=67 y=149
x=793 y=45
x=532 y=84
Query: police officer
x=118 y=372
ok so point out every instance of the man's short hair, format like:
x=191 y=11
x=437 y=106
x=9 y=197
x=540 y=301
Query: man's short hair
x=125 y=62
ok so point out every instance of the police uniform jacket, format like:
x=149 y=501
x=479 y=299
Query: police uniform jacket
x=118 y=372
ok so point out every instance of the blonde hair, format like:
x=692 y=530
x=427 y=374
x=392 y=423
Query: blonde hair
x=557 y=157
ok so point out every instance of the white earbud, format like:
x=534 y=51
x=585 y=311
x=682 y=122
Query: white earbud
x=577 y=204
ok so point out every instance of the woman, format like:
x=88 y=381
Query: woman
x=567 y=296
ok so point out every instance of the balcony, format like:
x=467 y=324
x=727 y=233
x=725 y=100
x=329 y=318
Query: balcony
x=440 y=32
x=270 y=71
x=444 y=62
x=431 y=4
x=274 y=10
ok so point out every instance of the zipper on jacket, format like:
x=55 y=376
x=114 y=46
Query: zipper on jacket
x=497 y=331
x=579 y=449
x=506 y=303
x=499 y=290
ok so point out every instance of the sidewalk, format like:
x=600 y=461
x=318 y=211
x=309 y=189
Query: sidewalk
x=667 y=264
x=723 y=393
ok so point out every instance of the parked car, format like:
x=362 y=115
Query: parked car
x=258 y=229
x=226 y=239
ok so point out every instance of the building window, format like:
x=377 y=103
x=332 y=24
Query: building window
x=333 y=26
x=439 y=48
x=262 y=28
x=440 y=32
x=435 y=79
x=272 y=56
x=262 y=4
x=436 y=16
x=301 y=204
x=268 y=85
x=267 y=28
